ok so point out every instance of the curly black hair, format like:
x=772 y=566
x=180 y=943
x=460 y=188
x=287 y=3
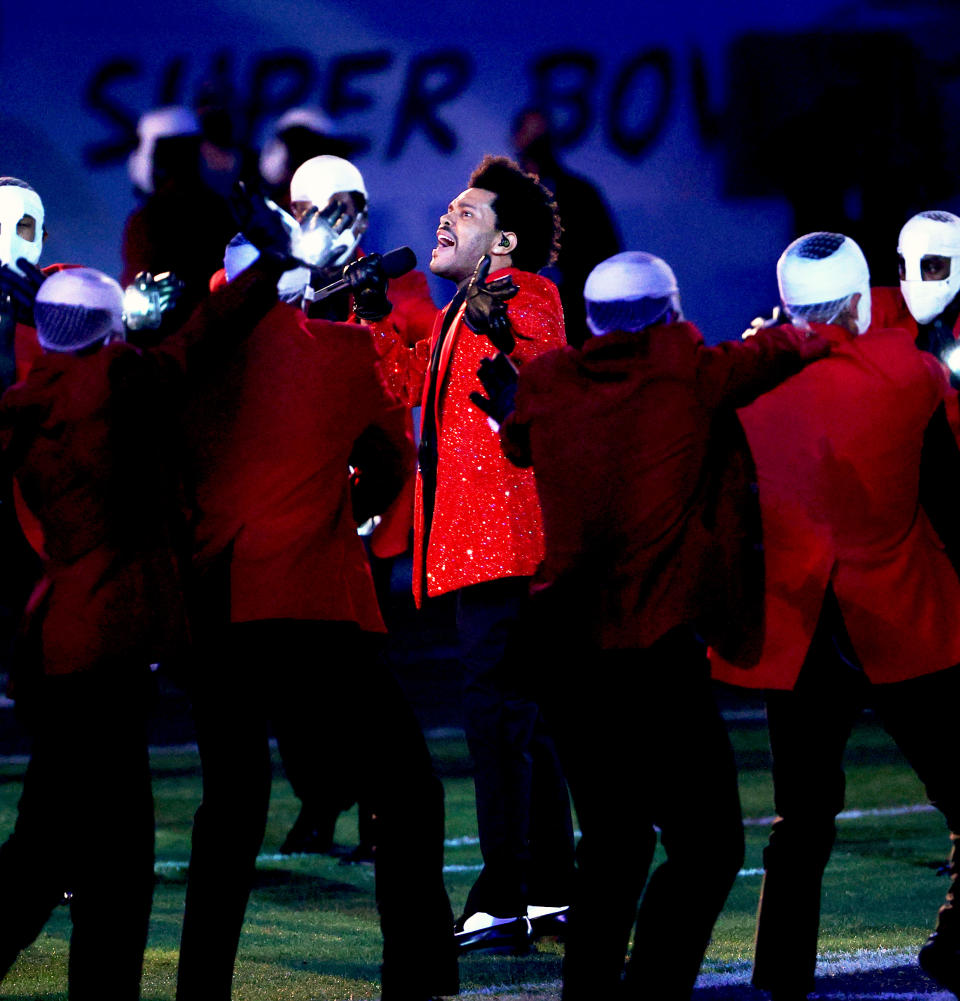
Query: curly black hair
x=523 y=206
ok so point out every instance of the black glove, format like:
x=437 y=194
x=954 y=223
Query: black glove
x=486 y=311
x=499 y=379
x=262 y=225
x=147 y=298
x=368 y=284
x=18 y=291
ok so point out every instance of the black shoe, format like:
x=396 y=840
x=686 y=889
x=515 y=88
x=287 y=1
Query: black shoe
x=940 y=960
x=549 y=922
x=310 y=836
x=512 y=937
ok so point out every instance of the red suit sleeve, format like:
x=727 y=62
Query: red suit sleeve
x=403 y=337
x=735 y=373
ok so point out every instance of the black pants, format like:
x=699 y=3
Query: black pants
x=329 y=674
x=523 y=807
x=84 y=825
x=809 y=729
x=643 y=746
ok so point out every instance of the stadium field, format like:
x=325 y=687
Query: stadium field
x=312 y=933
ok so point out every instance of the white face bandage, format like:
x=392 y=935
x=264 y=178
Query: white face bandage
x=929 y=245
x=336 y=219
x=822 y=268
x=21 y=216
x=630 y=291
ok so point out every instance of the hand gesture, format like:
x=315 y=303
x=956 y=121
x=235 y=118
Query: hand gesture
x=261 y=222
x=499 y=378
x=486 y=311
x=368 y=283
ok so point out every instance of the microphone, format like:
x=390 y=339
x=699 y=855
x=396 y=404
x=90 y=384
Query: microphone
x=393 y=264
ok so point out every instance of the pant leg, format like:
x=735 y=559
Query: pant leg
x=33 y=866
x=85 y=724
x=920 y=715
x=809 y=729
x=697 y=808
x=643 y=743
x=393 y=772
x=520 y=791
x=595 y=725
x=318 y=764
x=230 y=712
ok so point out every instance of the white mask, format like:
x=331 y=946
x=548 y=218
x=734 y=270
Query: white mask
x=929 y=234
x=15 y=203
x=328 y=236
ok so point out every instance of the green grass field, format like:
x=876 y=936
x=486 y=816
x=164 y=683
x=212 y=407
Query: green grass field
x=312 y=933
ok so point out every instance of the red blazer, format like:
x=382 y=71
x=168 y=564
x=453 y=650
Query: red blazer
x=486 y=520
x=646 y=482
x=271 y=440
x=889 y=309
x=838 y=450
x=88 y=439
x=26 y=350
x=402 y=366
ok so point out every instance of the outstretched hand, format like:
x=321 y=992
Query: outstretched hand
x=486 y=311
x=148 y=297
x=368 y=283
x=499 y=378
x=261 y=222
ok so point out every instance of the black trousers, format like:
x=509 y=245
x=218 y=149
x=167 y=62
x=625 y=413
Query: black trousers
x=523 y=806
x=644 y=747
x=329 y=675
x=809 y=729
x=85 y=826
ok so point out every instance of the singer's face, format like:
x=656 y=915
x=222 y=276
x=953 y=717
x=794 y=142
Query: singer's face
x=468 y=230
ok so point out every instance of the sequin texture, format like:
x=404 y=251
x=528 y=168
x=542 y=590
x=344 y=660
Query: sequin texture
x=486 y=522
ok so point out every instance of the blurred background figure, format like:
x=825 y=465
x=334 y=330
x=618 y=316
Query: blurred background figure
x=589 y=231
x=298 y=135
x=185 y=169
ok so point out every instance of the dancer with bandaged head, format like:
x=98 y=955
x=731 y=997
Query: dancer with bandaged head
x=856 y=584
x=288 y=628
x=330 y=196
x=84 y=434
x=650 y=534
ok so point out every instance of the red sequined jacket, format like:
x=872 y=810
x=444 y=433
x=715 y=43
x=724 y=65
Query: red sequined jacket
x=486 y=521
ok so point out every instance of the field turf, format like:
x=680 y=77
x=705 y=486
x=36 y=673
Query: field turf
x=312 y=933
